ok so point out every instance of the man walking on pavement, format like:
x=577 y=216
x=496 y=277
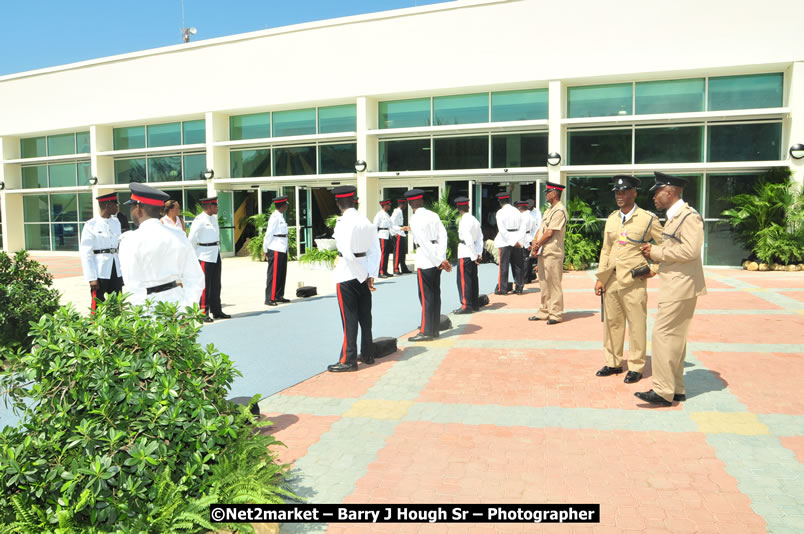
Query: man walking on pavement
x=549 y=246
x=99 y=243
x=205 y=236
x=382 y=222
x=399 y=235
x=275 y=251
x=470 y=250
x=510 y=231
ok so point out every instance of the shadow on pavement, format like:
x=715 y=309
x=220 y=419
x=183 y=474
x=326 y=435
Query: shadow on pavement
x=700 y=381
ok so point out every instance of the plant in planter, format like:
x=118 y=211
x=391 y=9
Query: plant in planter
x=260 y=224
x=449 y=216
x=582 y=239
x=318 y=258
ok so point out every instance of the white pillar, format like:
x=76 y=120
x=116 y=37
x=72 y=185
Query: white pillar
x=555 y=131
x=368 y=187
x=794 y=125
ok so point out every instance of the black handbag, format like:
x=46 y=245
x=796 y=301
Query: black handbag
x=306 y=291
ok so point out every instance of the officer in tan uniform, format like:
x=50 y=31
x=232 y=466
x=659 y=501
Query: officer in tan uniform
x=622 y=279
x=681 y=282
x=549 y=246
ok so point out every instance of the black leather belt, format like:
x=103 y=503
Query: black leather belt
x=280 y=235
x=215 y=244
x=514 y=230
x=105 y=251
x=163 y=287
x=357 y=254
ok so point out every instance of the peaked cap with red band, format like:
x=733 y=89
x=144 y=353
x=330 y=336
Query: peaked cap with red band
x=145 y=194
x=280 y=200
x=557 y=187
x=209 y=200
x=109 y=197
x=414 y=194
x=401 y=200
x=521 y=203
x=462 y=201
x=504 y=196
x=344 y=191
x=385 y=202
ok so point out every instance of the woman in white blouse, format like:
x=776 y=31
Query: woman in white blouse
x=171 y=217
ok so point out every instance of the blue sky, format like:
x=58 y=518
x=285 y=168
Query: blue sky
x=44 y=33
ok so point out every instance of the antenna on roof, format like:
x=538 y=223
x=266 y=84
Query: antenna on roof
x=186 y=32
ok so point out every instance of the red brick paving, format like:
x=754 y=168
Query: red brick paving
x=297 y=432
x=748 y=329
x=61 y=266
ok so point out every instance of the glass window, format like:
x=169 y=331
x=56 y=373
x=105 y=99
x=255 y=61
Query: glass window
x=128 y=138
x=250 y=163
x=252 y=126
x=194 y=165
x=405 y=113
x=670 y=96
x=164 y=169
x=60 y=145
x=599 y=147
x=85 y=206
x=164 y=134
x=82 y=143
x=192 y=201
x=746 y=92
x=194 y=132
x=294 y=122
x=599 y=100
x=721 y=246
x=34 y=208
x=337 y=119
x=745 y=142
x=525 y=105
x=62 y=175
x=519 y=150
x=33 y=147
x=337 y=158
x=461 y=153
x=34 y=177
x=64 y=207
x=65 y=236
x=691 y=195
x=405 y=155
x=722 y=186
x=84 y=172
x=461 y=109
x=595 y=191
x=37 y=237
x=669 y=145
x=129 y=170
x=294 y=161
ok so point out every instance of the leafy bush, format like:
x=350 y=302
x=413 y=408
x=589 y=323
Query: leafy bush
x=126 y=427
x=316 y=255
x=25 y=295
x=582 y=238
x=449 y=217
x=260 y=224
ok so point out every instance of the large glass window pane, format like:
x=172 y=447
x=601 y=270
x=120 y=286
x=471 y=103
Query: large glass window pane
x=62 y=175
x=84 y=172
x=33 y=147
x=164 y=169
x=668 y=145
x=519 y=150
x=670 y=96
x=64 y=207
x=164 y=134
x=461 y=109
x=337 y=119
x=691 y=194
x=725 y=185
x=37 y=236
x=192 y=200
x=252 y=126
x=405 y=113
x=250 y=163
x=745 y=142
x=34 y=208
x=525 y=105
x=600 y=147
x=461 y=153
x=65 y=236
x=129 y=170
x=82 y=143
x=294 y=122
x=595 y=191
x=128 y=138
x=194 y=166
x=85 y=206
x=226 y=211
x=294 y=161
x=721 y=246
x=337 y=158
x=405 y=155
x=746 y=92
x=60 y=145
x=34 y=177
x=599 y=100
x=194 y=132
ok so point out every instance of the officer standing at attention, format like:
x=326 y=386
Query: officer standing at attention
x=205 y=236
x=399 y=236
x=549 y=246
x=275 y=250
x=622 y=279
x=158 y=264
x=530 y=230
x=99 y=260
x=382 y=221
x=681 y=282
x=510 y=231
x=354 y=273
x=430 y=236
x=470 y=250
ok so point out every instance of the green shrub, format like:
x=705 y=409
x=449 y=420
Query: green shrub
x=582 y=238
x=260 y=224
x=25 y=295
x=125 y=427
x=449 y=218
x=316 y=255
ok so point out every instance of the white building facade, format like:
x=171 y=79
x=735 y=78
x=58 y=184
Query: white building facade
x=470 y=95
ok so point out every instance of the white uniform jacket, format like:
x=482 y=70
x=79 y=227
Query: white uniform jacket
x=529 y=228
x=355 y=234
x=537 y=219
x=382 y=221
x=471 y=237
x=397 y=222
x=276 y=236
x=510 y=227
x=430 y=236
x=205 y=236
x=100 y=234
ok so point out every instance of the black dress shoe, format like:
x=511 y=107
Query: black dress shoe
x=462 y=311
x=632 y=377
x=271 y=303
x=553 y=321
x=208 y=319
x=341 y=367
x=519 y=291
x=608 y=371
x=679 y=397
x=535 y=318
x=383 y=276
x=500 y=293
x=652 y=397
x=420 y=337
x=367 y=361
x=283 y=300
x=221 y=315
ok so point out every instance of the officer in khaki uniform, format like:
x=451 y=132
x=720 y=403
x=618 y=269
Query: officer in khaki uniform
x=549 y=246
x=681 y=282
x=625 y=296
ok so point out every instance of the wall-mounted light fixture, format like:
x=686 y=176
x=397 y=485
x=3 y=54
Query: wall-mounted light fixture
x=208 y=174
x=2 y=185
x=93 y=180
x=797 y=151
x=360 y=165
x=553 y=158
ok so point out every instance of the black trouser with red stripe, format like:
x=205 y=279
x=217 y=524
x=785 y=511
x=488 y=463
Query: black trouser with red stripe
x=105 y=286
x=386 y=246
x=510 y=256
x=211 y=297
x=354 y=303
x=430 y=299
x=277 y=272
x=400 y=251
x=467 y=284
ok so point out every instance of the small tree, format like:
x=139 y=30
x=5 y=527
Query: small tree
x=582 y=237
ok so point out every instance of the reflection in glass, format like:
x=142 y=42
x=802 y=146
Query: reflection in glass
x=194 y=132
x=722 y=186
x=337 y=119
x=252 y=126
x=519 y=150
x=721 y=246
x=405 y=155
x=164 y=134
x=84 y=172
x=33 y=147
x=745 y=92
x=129 y=170
x=62 y=175
x=294 y=161
x=670 y=96
x=337 y=158
x=461 y=153
x=599 y=100
x=405 y=113
x=82 y=143
x=530 y=104
x=745 y=142
x=194 y=166
x=250 y=163
x=128 y=138
x=164 y=169
x=34 y=177
x=599 y=147
x=85 y=206
x=65 y=236
x=34 y=208
x=669 y=145
x=596 y=191
x=294 y=122
x=192 y=201
x=461 y=109
x=60 y=145
x=63 y=207
x=37 y=237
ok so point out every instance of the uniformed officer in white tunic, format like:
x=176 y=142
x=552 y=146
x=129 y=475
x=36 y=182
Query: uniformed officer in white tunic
x=530 y=231
x=470 y=250
x=357 y=266
x=158 y=264
x=399 y=236
x=430 y=236
x=382 y=222
x=510 y=231
x=275 y=251
x=205 y=236
x=99 y=259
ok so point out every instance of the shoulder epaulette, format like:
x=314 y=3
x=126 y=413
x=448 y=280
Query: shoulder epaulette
x=613 y=213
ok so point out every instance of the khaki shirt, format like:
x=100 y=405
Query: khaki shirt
x=621 y=246
x=554 y=219
x=681 y=273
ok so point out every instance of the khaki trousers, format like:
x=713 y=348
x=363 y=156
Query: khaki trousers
x=621 y=305
x=551 y=270
x=670 y=346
